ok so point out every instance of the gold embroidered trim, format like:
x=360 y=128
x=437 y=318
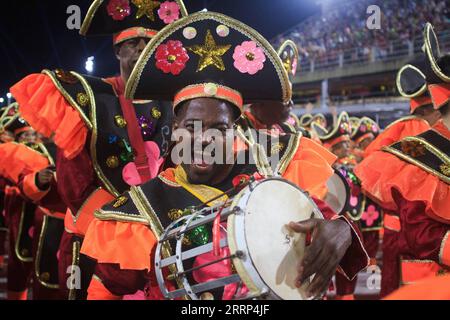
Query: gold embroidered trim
x=93 y=148
x=68 y=97
x=439 y=154
x=294 y=143
x=19 y=235
x=145 y=208
x=154 y=43
x=399 y=85
x=120 y=216
x=168 y=182
x=441 y=250
x=37 y=262
x=77 y=215
x=76 y=246
x=429 y=32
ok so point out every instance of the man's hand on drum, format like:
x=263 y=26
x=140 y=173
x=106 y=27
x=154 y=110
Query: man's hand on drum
x=330 y=241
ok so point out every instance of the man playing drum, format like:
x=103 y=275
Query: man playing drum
x=210 y=64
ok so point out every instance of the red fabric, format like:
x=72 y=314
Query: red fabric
x=390 y=275
x=421 y=236
x=48 y=112
x=396 y=132
x=344 y=286
x=371 y=242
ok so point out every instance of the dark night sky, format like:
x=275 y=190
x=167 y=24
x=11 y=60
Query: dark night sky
x=34 y=35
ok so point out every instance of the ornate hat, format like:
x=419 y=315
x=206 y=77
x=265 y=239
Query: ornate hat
x=10 y=120
x=365 y=128
x=208 y=54
x=288 y=53
x=307 y=119
x=412 y=80
x=439 y=88
x=339 y=133
x=127 y=19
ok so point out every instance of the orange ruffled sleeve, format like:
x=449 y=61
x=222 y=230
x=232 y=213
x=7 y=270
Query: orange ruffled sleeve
x=310 y=168
x=18 y=159
x=396 y=132
x=124 y=243
x=48 y=112
x=383 y=172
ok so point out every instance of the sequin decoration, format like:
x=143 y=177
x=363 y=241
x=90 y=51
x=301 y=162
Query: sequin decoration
x=112 y=138
x=118 y=9
x=147 y=127
x=413 y=148
x=120 y=121
x=146 y=7
x=210 y=53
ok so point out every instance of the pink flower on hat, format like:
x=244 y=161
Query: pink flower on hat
x=118 y=9
x=248 y=57
x=169 y=12
x=171 y=57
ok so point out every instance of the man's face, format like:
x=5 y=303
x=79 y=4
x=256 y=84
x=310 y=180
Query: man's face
x=28 y=137
x=271 y=112
x=213 y=114
x=341 y=149
x=128 y=54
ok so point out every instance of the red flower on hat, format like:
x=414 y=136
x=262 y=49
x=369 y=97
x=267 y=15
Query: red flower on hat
x=118 y=9
x=171 y=57
x=370 y=216
x=169 y=12
x=248 y=57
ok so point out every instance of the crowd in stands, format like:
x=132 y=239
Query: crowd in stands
x=341 y=28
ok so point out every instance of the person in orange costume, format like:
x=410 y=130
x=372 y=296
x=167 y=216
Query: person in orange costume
x=415 y=185
x=215 y=98
x=106 y=143
x=364 y=131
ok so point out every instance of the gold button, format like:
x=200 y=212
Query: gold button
x=156 y=113
x=45 y=276
x=120 y=121
x=112 y=162
x=120 y=201
x=82 y=99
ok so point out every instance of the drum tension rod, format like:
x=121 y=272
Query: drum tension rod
x=239 y=254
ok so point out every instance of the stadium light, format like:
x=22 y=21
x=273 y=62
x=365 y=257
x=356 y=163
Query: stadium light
x=9 y=95
x=2 y=100
x=90 y=64
x=205 y=10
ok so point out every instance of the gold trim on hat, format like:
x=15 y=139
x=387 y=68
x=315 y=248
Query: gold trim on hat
x=97 y=3
x=420 y=91
x=336 y=127
x=429 y=32
x=170 y=29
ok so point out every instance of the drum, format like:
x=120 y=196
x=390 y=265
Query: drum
x=261 y=252
x=338 y=195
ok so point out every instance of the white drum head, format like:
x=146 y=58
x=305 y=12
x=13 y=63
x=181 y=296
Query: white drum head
x=274 y=250
x=338 y=193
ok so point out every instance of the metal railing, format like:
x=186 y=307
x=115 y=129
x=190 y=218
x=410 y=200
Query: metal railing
x=394 y=50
